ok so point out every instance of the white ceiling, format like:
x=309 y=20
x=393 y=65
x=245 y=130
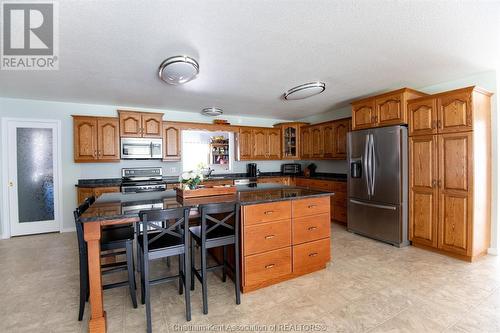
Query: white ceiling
x=250 y=52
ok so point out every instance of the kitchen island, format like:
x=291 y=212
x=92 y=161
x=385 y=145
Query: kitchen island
x=285 y=232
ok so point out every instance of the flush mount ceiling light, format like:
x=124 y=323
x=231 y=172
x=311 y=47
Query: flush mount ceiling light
x=304 y=91
x=178 y=70
x=211 y=112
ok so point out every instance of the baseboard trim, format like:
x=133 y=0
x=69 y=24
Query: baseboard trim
x=493 y=251
x=71 y=229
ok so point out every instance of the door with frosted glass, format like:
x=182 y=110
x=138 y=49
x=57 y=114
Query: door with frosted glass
x=33 y=177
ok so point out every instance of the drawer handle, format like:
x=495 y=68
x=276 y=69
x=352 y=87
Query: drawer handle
x=314 y=254
x=312 y=228
x=269 y=266
x=269 y=236
x=311 y=206
x=267 y=212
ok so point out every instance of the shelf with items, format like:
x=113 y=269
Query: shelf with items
x=219 y=150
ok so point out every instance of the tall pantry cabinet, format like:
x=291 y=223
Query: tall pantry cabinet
x=450 y=172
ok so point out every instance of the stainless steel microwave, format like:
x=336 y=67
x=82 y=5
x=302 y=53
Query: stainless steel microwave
x=141 y=148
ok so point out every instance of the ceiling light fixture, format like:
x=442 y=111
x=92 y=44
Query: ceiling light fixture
x=304 y=91
x=211 y=112
x=178 y=70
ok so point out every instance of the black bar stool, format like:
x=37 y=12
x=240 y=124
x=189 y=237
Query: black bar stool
x=164 y=234
x=214 y=232
x=120 y=239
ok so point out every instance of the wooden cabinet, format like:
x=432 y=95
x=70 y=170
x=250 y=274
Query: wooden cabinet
x=171 y=142
x=326 y=140
x=140 y=124
x=317 y=141
x=290 y=140
x=340 y=129
x=363 y=114
x=383 y=110
x=455 y=192
x=338 y=202
x=329 y=140
x=274 y=180
x=306 y=143
x=244 y=140
x=422 y=114
x=450 y=172
x=274 y=145
x=96 y=139
x=86 y=192
x=423 y=161
x=281 y=241
x=454 y=112
x=258 y=143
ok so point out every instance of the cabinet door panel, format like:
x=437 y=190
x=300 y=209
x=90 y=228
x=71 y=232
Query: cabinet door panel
x=317 y=142
x=306 y=143
x=85 y=139
x=390 y=110
x=151 y=125
x=245 y=144
x=290 y=142
x=341 y=128
x=172 y=142
x=260 y=143
x=455 y=194
x=130 y=124
x=108 y=139
x=363 y=115
x=274 y=145
x=455 y=113
x=423 y=167
x=423 y=117
x=329 y=144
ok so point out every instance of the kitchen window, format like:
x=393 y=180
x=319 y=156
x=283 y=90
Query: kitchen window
x=207 y=149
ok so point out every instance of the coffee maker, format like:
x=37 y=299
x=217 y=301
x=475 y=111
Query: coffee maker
x=252 y=170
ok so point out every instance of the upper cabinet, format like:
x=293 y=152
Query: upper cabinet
x=325 y=140
x=383 y=110
x=244 y=139
x=96 y=139
x=171 y=142
x=258 y=143
x=140 y=124
x=340 y=129
x=448 y=112
x=290 y=140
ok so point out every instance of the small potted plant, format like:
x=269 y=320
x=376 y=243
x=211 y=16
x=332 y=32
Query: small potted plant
x=191 y=180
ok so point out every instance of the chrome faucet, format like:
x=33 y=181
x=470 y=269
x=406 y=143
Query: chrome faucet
x=209 y=173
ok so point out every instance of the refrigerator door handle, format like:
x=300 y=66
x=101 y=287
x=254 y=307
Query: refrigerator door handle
x=372 y=205
x=373 y=164
x=365 y=163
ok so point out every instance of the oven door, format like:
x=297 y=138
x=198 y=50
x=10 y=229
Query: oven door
x=138 y=148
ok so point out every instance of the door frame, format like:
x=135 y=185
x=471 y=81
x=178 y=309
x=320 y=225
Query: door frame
x=6 y=223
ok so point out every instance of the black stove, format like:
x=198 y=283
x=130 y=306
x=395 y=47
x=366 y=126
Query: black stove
x=136 y=180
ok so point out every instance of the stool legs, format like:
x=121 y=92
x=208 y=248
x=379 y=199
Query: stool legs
x=204 y=278
x=224 y=263
x=131 y=275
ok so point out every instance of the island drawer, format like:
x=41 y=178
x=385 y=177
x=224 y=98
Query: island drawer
x=267 y=236
x=310 y=228
x=312 y=206
x=311 y=256
x=267 y=212
x=261 y=268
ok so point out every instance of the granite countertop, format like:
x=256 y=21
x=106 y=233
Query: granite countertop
x=109 y=182
x=112 y=206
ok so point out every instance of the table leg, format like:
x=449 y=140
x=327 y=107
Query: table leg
x=92 y=235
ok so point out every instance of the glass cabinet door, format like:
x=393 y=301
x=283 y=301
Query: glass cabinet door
x=290 y=142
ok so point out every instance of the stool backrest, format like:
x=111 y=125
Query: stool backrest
x=159 y=222
x=79 y=225
x=209 y=223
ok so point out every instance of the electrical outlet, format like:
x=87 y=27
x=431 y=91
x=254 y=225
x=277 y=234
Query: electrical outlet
x=173 y=169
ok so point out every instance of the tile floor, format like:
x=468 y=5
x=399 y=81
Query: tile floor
x=368 y=287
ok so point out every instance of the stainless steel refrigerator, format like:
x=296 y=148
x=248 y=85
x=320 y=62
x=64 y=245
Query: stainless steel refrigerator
x=378 y=184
